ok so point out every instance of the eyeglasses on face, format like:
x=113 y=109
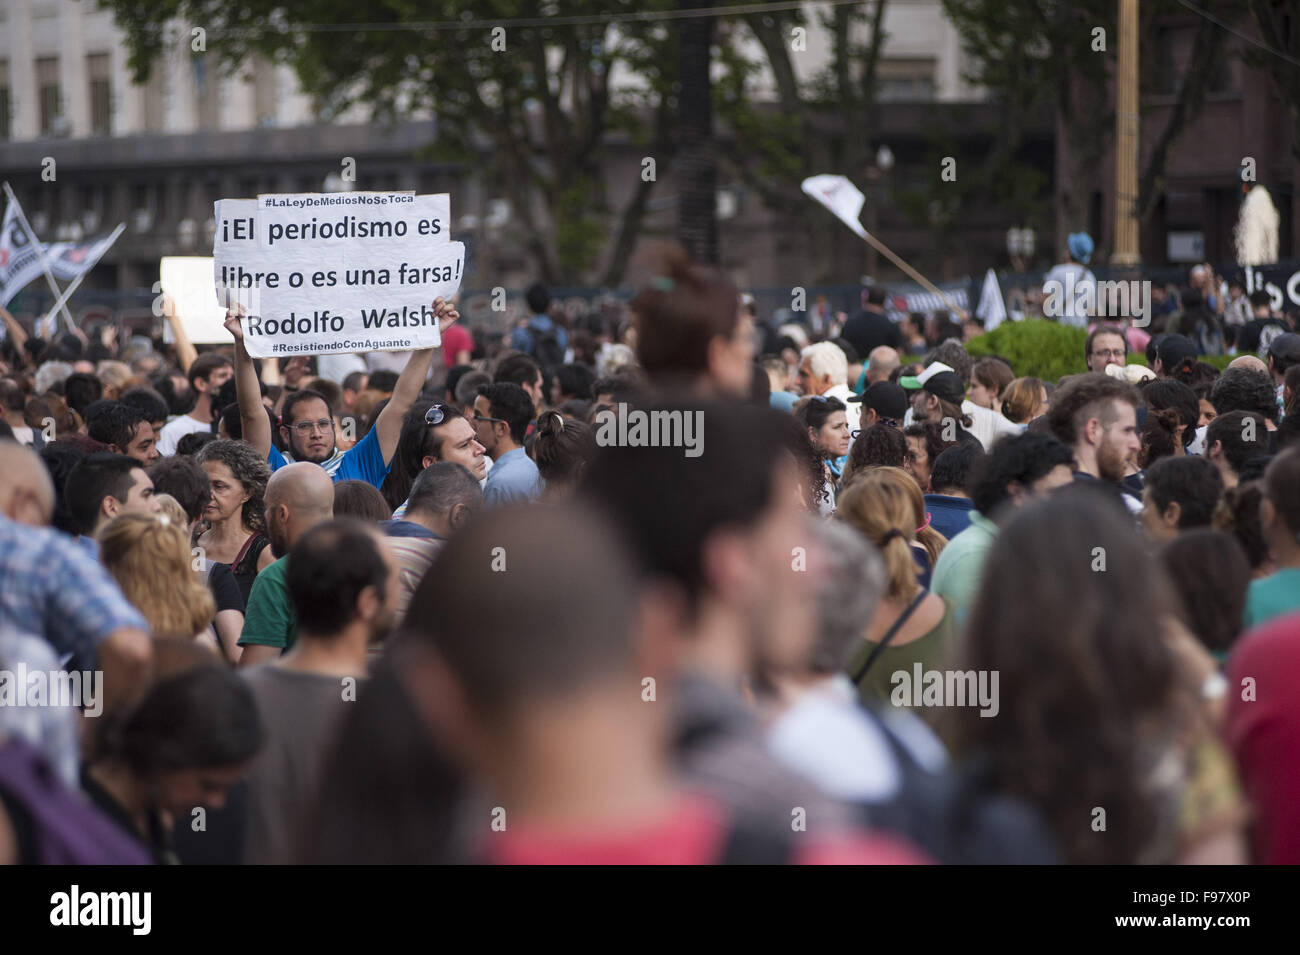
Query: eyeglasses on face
x=478 y=417
x=1109 y=353
x=305 y=428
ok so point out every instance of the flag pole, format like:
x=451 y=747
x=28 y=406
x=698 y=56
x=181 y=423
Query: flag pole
x=40 y=252
x=913 y=273
x=72 y=286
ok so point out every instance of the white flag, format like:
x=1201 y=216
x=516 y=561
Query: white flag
x=840 y=196
x=20 y=258
x=991 y=307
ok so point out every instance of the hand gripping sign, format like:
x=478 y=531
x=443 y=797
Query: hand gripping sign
x=320 y=274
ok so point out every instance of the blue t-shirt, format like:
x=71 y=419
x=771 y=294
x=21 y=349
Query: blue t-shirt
x=364 y=462
x=948 y=515
x=513 y=478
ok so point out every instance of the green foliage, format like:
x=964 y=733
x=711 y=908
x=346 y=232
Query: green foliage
x=1038 y=348
x=1035 y=348
x=531 y=119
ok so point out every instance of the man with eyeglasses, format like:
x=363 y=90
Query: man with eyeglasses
x=307 y=423
x=1105 y=346
x=502 y=413
x=449 y=436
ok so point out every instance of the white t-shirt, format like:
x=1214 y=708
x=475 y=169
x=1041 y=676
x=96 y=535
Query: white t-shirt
x=987 y=425
x=829 y=740
x=176 y=429
x=1070 y=278
x=852 y=411
x=24 y=436
x=338 y=367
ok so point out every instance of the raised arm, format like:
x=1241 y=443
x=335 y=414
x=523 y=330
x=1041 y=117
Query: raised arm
x=252 y=415
x=16 y=331
x=185 y=350
x=388 y=426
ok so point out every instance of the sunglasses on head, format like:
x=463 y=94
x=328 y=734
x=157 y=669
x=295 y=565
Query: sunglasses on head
x=435 y=416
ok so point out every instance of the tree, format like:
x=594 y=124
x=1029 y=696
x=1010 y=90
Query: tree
x=820 y=123
x=697 y=221
x=1279 y=27
x=1034 y=53
x=528 y=106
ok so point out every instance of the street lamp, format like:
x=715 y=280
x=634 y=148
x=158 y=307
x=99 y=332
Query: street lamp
x=876 y=173
x=1020 y=246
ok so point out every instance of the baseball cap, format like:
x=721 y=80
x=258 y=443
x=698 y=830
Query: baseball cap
x=917 y=382
x=947 y=386
x=1173 y=350
x=884 y=398
x=1285 y=348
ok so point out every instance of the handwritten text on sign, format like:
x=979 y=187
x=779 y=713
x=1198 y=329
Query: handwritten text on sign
x=320 y=274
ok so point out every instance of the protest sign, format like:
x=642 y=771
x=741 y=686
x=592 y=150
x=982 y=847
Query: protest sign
x=321 y=274
x=187 y=281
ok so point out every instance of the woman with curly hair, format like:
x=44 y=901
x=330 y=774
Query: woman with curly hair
x=235 y=516
x=826 y=423
x=1104 y=721
x=814 y=492
x=879 y=446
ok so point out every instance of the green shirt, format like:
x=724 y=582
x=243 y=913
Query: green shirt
x=929 y=650
x=1272 y=597
x=960 y=567
x=269 y=620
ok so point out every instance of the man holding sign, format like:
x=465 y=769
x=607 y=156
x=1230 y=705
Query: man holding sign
x=312 y=274
x=307 y=426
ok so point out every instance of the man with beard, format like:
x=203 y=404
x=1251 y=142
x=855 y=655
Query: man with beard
x=341 y=582
x=298 y=497
x=1096 y=417
x=307 y=423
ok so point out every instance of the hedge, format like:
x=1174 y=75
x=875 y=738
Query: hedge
x=1041 y=349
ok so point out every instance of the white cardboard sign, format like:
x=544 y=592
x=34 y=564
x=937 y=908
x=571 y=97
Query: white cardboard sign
x=322 y=274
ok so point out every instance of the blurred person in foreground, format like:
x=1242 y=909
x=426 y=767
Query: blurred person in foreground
x=544 y=703
x=1105 y=726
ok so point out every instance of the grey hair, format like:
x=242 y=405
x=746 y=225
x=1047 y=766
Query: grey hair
x=249 y=468
x=443 y=485
x=954 y=354
x=852 y=585
x=50 y=374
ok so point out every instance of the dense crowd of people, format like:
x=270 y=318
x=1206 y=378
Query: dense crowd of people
x=899 y=605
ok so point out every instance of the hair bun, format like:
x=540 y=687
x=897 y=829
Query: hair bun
x=551 y=423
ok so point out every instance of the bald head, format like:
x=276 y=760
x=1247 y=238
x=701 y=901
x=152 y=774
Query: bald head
x=26 y=491
x=302 y=487
x=881 y=363
x=1248 y=361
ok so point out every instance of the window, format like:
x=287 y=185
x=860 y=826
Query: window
x=101 y=94
x=265 y=87
x=208 y=83
x=47 y=91
x=6 y=130
x=155 y=105
x=905 y=80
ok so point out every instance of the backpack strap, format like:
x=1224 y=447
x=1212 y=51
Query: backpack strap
x=251 y=544
x=889 y=635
